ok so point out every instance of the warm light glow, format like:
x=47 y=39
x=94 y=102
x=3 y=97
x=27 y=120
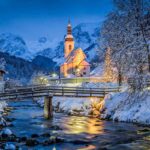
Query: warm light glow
x=89 y=147
x=54 y=75
x=78 y=70
x=73 y=58
x=40 y=80
x=78 y=125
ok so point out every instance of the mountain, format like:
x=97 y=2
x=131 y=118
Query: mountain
x=85 y=35
x=43 y=62
x=14 y=45
x=44 y=54
x=21 y=69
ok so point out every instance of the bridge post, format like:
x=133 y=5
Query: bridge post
x=48 y=109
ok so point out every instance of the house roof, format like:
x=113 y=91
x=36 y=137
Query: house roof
x=72 y=54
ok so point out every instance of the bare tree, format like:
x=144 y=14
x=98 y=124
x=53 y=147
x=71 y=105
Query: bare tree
x=124 y=32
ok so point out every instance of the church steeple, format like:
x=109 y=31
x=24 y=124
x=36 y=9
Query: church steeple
x=69 y=40
x=69 y=28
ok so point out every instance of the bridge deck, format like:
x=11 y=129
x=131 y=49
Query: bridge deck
x=41 y=91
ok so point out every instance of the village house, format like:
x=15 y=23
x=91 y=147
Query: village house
x=75 y=63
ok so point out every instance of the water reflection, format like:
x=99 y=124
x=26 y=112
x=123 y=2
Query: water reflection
x=77 y=125
x=89 y=147
x=74 y=129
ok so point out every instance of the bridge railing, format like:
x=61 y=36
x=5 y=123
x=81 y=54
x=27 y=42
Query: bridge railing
x=40 y=87
x=40 y=91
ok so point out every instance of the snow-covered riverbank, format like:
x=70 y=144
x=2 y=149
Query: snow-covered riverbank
x=74 y=106
x=128 y=107
x=3 y=105
x=122 y=106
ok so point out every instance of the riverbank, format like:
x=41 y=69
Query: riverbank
x=127 y=107
x=3 y=106
x=122 y=106
x=75 y=106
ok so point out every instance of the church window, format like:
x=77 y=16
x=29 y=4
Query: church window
x=70 y=47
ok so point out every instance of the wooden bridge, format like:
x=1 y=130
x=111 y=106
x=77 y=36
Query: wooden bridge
x=48 y=92
x=43 y=90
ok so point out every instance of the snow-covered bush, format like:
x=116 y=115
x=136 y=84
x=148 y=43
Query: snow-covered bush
x=125 y=106
x=71 y=105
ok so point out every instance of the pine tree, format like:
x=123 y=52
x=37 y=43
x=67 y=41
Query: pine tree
x=108 y=74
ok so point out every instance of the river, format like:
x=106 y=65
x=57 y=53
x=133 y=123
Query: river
x=82 y=133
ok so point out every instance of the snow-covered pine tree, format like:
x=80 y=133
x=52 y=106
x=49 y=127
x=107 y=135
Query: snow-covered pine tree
x=108 y=72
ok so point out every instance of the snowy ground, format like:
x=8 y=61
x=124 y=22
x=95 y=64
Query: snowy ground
x=98 y=71
x=3 y=105
x=100 y=85
x=128 y=107
x=72 y=106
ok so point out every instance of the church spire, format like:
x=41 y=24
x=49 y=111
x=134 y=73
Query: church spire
x=69 y=40
x=69 y=28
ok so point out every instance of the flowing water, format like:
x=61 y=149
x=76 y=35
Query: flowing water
x=82 y=133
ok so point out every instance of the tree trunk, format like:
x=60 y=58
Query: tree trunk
x=149 y=63
x=119 y=79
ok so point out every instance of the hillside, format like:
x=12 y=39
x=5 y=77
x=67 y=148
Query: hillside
x=18 y=68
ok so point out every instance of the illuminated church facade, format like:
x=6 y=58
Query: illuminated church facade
x=75 y=63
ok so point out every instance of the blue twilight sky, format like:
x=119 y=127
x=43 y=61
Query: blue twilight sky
x=36 y=18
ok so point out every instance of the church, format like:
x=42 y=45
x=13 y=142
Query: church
x=75 y=63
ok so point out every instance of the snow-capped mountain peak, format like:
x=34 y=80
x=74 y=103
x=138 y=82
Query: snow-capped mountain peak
x=85 y=36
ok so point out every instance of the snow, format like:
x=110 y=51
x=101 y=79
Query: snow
x=59 y=60
x=98 y=71
x=3 y=105
x=37 y=46
x=128 y=107
x=100 y=84
x=10 y=146
x=14 y=45
x=85 y=36
x=2 y=121
x=6 y=131
x=71 y=105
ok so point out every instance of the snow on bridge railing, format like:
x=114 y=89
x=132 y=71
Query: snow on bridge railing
x=26 y=92
x=44 y=87
x=76 y=80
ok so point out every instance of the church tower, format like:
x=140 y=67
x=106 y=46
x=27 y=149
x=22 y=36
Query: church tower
x=69 y=40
